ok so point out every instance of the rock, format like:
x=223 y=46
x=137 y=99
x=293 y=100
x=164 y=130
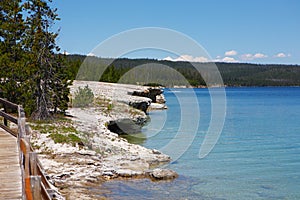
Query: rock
x=156 y=96
x=162 y=174
x=127 y=173
x=63 y=176
x=149 y=93
x=157 y=106
x=124 y=127
x=154 y=151
x=143 y=106
x=160 y=99
x=141 y=121
x=108 y=173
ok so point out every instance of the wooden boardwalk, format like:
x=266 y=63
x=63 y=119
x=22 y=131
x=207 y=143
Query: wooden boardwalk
x=10 y=171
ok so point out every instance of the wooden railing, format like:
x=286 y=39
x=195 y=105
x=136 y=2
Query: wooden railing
x=35 y=185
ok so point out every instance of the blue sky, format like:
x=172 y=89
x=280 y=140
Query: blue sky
x=257 y=31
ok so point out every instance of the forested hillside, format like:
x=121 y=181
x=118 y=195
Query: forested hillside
x=166 y=72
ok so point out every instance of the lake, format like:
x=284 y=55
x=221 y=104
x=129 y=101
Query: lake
x=257 y=155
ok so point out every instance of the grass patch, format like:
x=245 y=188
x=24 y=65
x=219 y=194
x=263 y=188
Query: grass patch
x=44 y=128
x=68 y=139
x=62 y=131
x=53 y=128
x=65 y=129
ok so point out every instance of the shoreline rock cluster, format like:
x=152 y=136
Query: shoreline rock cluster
x=101 y=155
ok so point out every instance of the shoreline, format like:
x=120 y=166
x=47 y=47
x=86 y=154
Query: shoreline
x=100 y=155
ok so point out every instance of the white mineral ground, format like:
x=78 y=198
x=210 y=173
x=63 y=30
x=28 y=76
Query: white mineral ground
x=104 y=155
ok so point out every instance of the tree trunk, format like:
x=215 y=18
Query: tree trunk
x=42 y=112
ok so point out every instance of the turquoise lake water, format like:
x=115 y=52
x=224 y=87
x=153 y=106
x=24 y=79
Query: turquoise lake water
x=256 y=157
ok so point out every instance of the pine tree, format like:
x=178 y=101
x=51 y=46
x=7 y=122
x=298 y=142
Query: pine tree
x=31 y=71
x=47 y=69
x=12 y=58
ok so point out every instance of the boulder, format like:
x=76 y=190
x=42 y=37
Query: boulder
x=124 y=127
x=162 y=174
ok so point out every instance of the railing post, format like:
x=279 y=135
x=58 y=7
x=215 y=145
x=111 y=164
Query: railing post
x=21 y=122
x=5 y=120
x=28 y=129
x=25 y=149
x=36 y=187
x=23 y=157
x=22 y=128
x=33 y=163
x=22 y=164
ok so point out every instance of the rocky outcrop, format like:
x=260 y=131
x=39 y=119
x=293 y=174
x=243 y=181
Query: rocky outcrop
x=150 y=93
x=156 y=96
x=75 y=169
x=142 y=105
x=124 y=127
x=118 y=92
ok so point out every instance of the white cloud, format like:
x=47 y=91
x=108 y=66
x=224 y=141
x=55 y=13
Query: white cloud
x=250 y=56
x=282 y=55
x=188 y=58
x=260 y=55
x=225 y=59
x=229 y=59
x=231 y=53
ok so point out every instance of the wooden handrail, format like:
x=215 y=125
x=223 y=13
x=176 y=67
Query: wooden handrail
x=7 y=117
x=7 y=129
x=8 y=104
x=34 y=182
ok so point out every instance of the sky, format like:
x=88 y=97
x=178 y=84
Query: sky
x=254 y=31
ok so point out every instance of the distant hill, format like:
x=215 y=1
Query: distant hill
x=166 y=72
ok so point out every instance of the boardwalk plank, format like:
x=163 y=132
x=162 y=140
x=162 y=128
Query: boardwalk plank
x=10 y=172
